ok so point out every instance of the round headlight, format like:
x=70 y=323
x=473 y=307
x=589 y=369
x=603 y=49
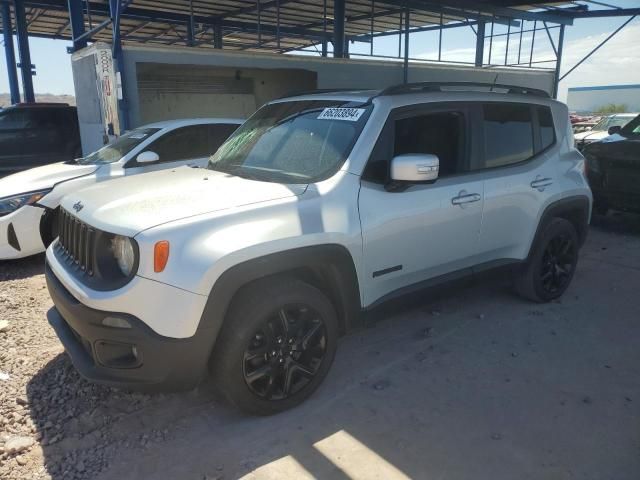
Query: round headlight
x=124 y=254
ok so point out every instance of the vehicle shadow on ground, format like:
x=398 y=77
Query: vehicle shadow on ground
x=21 y=268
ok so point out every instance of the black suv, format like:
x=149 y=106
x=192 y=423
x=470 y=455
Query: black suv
x=613 y=169
x=37 y=134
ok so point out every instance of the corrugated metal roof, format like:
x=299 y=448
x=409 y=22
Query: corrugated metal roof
x=271 y=25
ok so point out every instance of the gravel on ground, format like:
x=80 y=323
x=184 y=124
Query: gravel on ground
x=470 y=384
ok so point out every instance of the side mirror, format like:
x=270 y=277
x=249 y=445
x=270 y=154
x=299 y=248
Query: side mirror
x=147 y=157
x=614 y=129
x=415 y=168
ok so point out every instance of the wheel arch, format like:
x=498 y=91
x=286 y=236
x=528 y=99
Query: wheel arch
x=575 y=209
x=328 y=267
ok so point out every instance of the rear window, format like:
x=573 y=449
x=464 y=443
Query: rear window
x=508 y=134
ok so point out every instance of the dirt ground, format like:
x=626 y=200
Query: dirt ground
x=471 y=383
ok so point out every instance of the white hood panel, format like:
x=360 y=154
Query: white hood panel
x=130 y=205
x=591 y=136
x=40 y=178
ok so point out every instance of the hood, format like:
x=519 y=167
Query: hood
x=130 y=205
x=40 y=178
x=616 y=137
x=591 y=135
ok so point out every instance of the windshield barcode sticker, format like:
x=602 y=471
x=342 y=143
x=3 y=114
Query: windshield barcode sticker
x=335 y=113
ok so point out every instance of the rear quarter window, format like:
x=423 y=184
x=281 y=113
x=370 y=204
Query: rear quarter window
x=546 y=127
x=508 y=134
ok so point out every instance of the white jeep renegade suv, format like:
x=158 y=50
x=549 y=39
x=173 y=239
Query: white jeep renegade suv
x=318 y=207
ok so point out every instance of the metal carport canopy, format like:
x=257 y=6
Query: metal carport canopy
x=271 y=25
x=280 y=26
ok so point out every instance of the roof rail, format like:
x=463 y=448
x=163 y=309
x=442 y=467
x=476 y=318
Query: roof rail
x=437 y=87
x=323 y=90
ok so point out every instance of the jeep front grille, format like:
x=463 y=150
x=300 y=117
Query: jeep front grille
x=76 y=242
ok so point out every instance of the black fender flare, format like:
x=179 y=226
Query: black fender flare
x=329 y=267
x=575 y=209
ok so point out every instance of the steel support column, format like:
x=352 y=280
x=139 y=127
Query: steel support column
x=217 y=36
x=338 y=28
x=407 y=26
x=7 y=30
x=480 y=44
x=115 y=7
x=556 y=79
x=26 y=68
x=76 y=17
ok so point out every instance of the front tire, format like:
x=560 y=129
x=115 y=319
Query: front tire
x=552 y=263
x=276 y=346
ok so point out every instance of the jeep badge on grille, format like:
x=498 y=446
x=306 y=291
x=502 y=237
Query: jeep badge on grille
x=78 y=206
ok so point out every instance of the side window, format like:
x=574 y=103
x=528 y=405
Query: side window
x=547 y=130
x=508 y=134
x=13 y=120
x=438 y=133
x=182 y=144
x=218 y=133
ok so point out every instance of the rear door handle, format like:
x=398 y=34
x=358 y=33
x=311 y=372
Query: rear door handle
x=463 y=198
x=540 y=183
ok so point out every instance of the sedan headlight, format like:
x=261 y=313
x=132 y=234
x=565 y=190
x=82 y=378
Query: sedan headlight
x=11 y=204
x=124 y=254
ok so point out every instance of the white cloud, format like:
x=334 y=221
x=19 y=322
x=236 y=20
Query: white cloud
x=616 y=62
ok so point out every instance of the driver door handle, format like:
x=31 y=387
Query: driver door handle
x=540 y=183
x=463 y=198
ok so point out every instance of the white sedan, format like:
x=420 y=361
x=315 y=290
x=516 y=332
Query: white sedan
x=29 y=200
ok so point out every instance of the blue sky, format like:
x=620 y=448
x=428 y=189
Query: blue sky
x=618 y=62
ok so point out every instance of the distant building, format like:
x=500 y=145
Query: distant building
x=589 y=99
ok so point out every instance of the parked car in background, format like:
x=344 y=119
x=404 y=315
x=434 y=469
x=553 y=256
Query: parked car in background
x=613 y=169
x=601 y=129
x=29 y=200
x=34 y=134
x=584 y=126
x=318 y=207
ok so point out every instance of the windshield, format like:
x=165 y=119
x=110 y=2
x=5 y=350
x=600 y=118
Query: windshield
x=632 y=128
x=119 y=147
x=608 y=122
x=293 y=142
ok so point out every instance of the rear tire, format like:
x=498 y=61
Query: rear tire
x=552 y=263
x=276 y=346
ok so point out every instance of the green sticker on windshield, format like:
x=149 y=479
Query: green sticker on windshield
x=339 y=113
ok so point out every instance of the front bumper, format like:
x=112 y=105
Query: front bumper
x=20 y=233
x=135 y=357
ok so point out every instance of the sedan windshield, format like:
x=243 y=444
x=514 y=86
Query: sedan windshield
x=119 y=147
x=613 y=121
x=632 y=129
x=293 y=142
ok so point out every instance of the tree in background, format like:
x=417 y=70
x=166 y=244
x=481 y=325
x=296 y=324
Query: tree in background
x=611 y=108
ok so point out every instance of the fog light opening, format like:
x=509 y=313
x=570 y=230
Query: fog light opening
x=117 y=355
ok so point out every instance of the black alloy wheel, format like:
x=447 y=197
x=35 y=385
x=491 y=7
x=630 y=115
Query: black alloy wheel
x=286 y=352
x=558 y=261
x=552 y=262
x=276 y=346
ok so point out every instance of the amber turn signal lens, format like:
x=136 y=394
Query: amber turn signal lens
x=160 y=255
